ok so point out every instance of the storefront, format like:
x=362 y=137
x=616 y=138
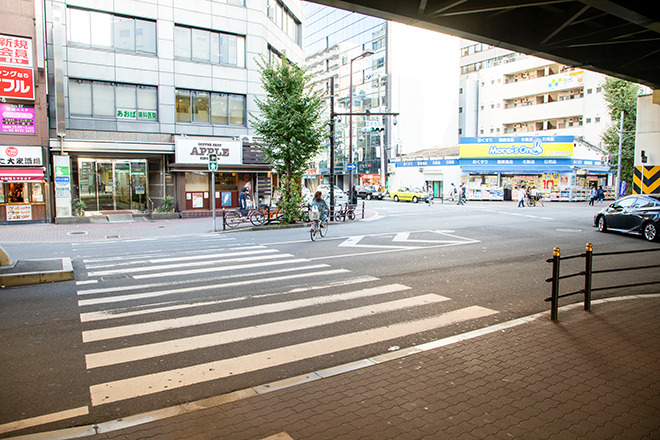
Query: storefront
x=239 y=166
x=497 y=167
x=560 y=167
x=23 y=188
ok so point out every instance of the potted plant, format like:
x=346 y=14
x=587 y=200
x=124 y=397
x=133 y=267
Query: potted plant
x=80 y=207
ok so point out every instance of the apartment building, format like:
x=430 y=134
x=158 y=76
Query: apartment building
x=141 y=92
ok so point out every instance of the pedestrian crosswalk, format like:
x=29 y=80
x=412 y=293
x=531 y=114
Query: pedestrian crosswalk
x=146 y=313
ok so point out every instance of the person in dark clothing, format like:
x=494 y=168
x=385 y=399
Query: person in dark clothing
x=242 y=202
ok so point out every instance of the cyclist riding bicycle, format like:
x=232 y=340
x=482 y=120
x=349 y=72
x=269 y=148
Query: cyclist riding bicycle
x=321 y=206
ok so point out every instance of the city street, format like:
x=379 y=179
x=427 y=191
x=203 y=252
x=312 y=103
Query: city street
x=160 y=316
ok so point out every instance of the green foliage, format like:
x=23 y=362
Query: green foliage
x=291 y=203
x=167 y=205
x=621 y=95
x=290 y=125
x=80 y=207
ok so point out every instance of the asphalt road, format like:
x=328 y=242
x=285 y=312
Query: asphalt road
x=153 y=322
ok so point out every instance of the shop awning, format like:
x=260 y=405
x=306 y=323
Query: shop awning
x=21 y=174
x=517 y=169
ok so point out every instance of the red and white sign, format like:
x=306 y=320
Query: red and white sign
x=16 y=82
x=15 y=50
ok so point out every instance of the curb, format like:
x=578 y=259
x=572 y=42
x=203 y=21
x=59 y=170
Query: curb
x=49 y=276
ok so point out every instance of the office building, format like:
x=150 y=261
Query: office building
x=141 y=92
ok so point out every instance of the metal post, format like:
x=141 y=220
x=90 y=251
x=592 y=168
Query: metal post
x=555 y=284
x=224 y=220
x=363 y=209
x=332 y=147
x=588 y=270
x=213 y=198
x=618 y=167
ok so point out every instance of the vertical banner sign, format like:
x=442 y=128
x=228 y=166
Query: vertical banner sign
x=61 y=171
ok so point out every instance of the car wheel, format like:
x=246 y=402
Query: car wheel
x=651 y=232
x=396 y=198
x=368 y=196
x=415 y=199
x=602 y=224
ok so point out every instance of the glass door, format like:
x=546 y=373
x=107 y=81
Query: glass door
x=88 y=184
x=139 y=185
x=106 y=182
x=122 y=185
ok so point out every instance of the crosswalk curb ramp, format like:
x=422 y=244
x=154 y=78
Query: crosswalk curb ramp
x=27 y=272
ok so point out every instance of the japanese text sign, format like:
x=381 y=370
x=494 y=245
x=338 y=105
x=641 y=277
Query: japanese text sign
x=17 y=118
x=16 y=82
x=15 y=50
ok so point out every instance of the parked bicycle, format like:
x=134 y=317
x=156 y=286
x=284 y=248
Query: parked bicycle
x=235 y=217
x=318 y=227
x=344 y=211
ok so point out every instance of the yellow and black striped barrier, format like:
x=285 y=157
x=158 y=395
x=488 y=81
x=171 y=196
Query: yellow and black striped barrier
x=651 y=183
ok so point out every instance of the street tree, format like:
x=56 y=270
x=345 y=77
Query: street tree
x=621 y=95
x=290 y=127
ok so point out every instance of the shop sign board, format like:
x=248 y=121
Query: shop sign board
x=196 y=151
x=15 y=50
x=17 y=118
x=524 y=146
x=567 y=80
x=21 y=156
x=16 y=82
x=19 y=212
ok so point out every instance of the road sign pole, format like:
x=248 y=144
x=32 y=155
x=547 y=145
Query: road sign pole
x=213 y=166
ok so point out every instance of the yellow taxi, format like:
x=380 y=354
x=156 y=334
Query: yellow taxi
x=410 y=194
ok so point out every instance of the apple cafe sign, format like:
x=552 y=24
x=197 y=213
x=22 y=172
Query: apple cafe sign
x=196 y=151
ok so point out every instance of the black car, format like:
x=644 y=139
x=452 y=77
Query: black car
x=368 y=192
x=636 y=214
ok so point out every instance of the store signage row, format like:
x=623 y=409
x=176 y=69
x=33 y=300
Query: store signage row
x=16 y=82
x=196 y=151
x=446 y=162
x=17 y=118
x=525 y=146
x=15 y=50
x=21 y=156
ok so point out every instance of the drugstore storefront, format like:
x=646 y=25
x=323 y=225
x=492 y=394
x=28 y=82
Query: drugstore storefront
x=23 y=188
x=557 y=166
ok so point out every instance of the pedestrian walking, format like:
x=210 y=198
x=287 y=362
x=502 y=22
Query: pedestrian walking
x=453 y=192
x=461 y=194
x=600 y=197
x=592 y=195
x=242 y=202
x=521 y=197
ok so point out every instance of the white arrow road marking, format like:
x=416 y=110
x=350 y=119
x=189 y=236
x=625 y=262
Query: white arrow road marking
x=154 y=383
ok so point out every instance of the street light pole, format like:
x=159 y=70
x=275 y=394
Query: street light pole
x=365 y=53
x=618 y=167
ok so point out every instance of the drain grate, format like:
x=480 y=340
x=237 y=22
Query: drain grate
x=77 y=233
x=112 y=236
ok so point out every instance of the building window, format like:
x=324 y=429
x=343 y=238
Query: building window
x=481 y=131
x=460 y=91
x=460 y=131
x=598 y=89
x=460 y=109
x=285 y=20
x=215 y=47
x=482 y=106
x=98 y=29
x=109 y=100
x=498 y=130
x=213 y=108
x=589 y=91
x=597 y=118
x=588 y=120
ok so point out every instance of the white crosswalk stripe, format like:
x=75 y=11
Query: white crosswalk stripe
x=237 y=294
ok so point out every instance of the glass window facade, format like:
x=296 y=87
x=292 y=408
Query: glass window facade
x=109 y=100
x=206 y=46
x=214 y=108
x=99 y=29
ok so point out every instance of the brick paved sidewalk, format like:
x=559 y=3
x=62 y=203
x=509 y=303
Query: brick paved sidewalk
x=592 y=375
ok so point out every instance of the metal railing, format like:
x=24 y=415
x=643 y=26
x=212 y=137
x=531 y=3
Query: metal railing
x=588 y=274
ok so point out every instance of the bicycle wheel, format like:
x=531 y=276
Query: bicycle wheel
x=233 y=219
x=257 y=218
x=351 y=215
x=323 y=228
x=312 y=231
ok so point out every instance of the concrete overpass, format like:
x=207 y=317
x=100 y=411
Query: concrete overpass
x=620 y=38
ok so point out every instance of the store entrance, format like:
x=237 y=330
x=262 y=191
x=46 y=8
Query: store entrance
x=112 y=185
